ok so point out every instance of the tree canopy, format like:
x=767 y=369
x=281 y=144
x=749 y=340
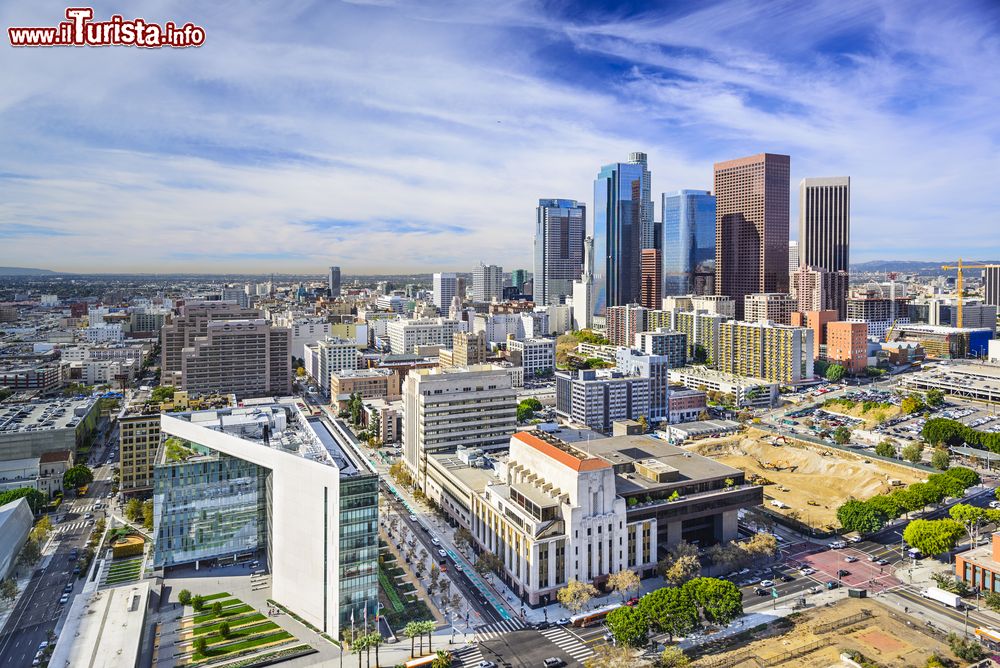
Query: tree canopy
x=576 y=595
x=671 y=610
x=933 y=537
x=720 y=600
x=861 y=516
x=36 y=500
x=78 y=476
x=835 y=372
x=629 y=626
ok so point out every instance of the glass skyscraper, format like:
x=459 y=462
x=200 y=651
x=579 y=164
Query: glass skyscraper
x=560 y=226
x=688 y=244
x=623 y=226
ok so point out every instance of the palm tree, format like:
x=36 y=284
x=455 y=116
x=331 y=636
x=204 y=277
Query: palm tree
x=374 y=640
x=428 y=628
x=411 y=631
x=359 y=645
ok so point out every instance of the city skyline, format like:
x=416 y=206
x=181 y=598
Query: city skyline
x=349 y=150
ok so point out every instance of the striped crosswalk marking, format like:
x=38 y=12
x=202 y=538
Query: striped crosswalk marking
x=467 y=656
x=65 y=528
x=498 y=629
x=567 y=642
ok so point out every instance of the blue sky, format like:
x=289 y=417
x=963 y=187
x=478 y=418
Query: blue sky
x=396 y=136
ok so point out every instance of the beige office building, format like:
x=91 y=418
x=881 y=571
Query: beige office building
x=467 y=348
x=190 y=322
x=769 y=306
x=248 y=358
x=816 y=289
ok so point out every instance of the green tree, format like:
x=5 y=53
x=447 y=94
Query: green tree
x=224 y=629
x=36 y=500
x=965 y=649
x=886 y=448
x=835 y=373
x=671 y=610
x=992 y=599
x=441 y=660
x=720 y=600
x=201 y=645
x=412 y=631
x=133 y=510
x=198 y=603
x=841 y=435
x=860 y=516
x=912 y=404
x=933 y=537
x=184 y=597
x=162 y=394
x=913 y=452
x=427 y=629
x=682 y=569
x=30 y=553
x=576 y=595
x=77 y=476
x=966 y=476
x=217 y=608
x=973 y=518
x=629 y=626
x=8 y=590
x=940 y=459
x=524 y=413
x=673 y=657
x=147 y=514
x=934 y=397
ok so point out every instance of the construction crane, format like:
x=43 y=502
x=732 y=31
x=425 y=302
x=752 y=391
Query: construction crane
x=958 y=283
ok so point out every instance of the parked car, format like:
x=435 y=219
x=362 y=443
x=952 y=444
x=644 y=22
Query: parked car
x=807 y=571
x=767 y=583
x=850 y=560
x=760 y=591
x=787 y=577
x=838 y=545
x=832 y=584
x=553 y=662
x=435 y=541
x=843 y=572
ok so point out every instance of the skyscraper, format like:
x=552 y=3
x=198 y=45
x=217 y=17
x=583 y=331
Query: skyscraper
x=651 y=278
x=991 y=285
x=487 y=283
x=793 y=256
x=518 y=278
x=583 y=290
x=334 y=281
x=623 y=224
x=751 y=226
x=445 y=287
x=560 y=225
x=825 y=223
x=688 y=244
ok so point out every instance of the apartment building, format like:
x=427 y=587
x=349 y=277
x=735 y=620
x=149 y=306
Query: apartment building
x=624 y=322
x=598 y=400
x=847 y=345
x=447 y=408
x=666 y=342
x=770 y=307
x=467 y=348
x=328 y=356
x=190 y=322
x=406 y=335
x=780 y=353
x=536 y=356
x=702 y=332
x=249 y=358
x=654 y=367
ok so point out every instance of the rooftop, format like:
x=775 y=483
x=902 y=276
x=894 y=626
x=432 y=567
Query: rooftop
x=561 y=451
x=44 y=415
x=104 y=628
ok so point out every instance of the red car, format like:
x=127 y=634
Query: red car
x=632 y=601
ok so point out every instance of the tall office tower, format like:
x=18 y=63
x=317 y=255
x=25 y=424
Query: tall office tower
x=445 y=287
x=991 y=285
x=623 y=218
x=624 y=322
x=518 y=277
x=190 y=322
x=688 y=243
x=487 y=283
x=793 y=257
x=769 y=306
x=334 y=281
x=649 y=294
x=816 y=289
x=444 y=409
x=560 y=225
x=248 y=358
x=751 y=226
x=583 y=290
x=825 y=223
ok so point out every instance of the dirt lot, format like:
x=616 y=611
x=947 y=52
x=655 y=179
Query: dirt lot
x=801 y=473
x=884 y=637
x=871 y=417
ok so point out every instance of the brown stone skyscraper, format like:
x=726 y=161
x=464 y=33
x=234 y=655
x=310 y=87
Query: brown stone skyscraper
x=751 y=226
x=651 y=278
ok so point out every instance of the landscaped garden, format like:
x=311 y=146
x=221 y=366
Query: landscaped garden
x=222 y=627
x=400 y=603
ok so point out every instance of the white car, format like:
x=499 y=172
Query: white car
x=442 y=554
x=850 y=560
x=838 y=545
x=767 y=583
x=413 y=518
x=435 y=541
x=807 y=571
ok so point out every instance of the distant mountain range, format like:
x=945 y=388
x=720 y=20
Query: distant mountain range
x=24 y=271
x=910 y=266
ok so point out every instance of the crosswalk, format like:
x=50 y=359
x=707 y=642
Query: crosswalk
x=567 y=642
x=72 y=526
x=467 y=656
x=498 y=629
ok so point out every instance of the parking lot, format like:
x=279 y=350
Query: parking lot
x=976 y=416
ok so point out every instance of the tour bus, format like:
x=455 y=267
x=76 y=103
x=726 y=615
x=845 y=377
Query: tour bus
x=593 y=616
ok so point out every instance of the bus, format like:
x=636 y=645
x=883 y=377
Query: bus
x=989 y=637
x=597 y=615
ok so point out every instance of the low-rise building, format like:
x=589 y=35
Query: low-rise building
x=369 y=383
x=405 y=335
x=686 y=405
x=16 y=520
x=536 y=356
x=598 y=399
x=847 y=345
x=980 y=566
x=744 y=391
x=28 y=430
x=51 y=467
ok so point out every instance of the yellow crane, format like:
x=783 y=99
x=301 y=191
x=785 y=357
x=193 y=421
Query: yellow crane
x=958 y=283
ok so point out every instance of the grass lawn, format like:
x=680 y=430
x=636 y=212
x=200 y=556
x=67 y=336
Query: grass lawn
x=243 y=632
x=212 y=597
x=245 y=619
x=212 y=652
x=227 y=612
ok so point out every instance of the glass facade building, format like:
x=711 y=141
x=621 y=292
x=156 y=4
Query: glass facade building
x=207 y=506
x=560 y=226
x=688 y=244
x=358 y=548
x=623 y=226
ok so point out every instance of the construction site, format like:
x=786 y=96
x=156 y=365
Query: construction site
x=861 y=628
x=803 y=480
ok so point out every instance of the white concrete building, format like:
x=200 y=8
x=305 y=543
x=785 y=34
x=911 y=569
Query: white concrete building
x=487 y=283
x=405 y=335
x=327 y=356
x=305 y=329
x=445 y=288
x=288 y=491
x=103 y=333
x=455 y=407
x=536 y=356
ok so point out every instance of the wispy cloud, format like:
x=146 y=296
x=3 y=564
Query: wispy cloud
x=402 y=135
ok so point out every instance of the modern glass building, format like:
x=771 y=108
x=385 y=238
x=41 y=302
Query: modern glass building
x=623 y=225
x=560 y=226
x=262 y=480
x=688 y=244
